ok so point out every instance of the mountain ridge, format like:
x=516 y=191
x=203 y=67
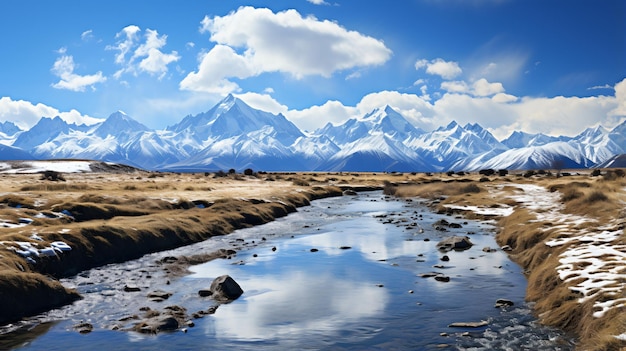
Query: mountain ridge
x=234 y=135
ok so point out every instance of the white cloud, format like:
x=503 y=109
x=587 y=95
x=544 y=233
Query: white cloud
x=455 y=87
x=440 y=67
x=263 y=41
x=215 y=66
x=263 y=102
x=318 y=2
x=605 y=86
x=25 y=114
x=482 y=87
x=146 y=57
x=620 y=96
x=317 y=116
x=64 y=68
x=130 y=37
x=87 y=35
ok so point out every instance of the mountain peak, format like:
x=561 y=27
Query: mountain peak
x=119 y=123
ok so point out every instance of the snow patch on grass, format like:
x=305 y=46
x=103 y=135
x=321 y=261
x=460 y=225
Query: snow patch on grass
x=593 y=254
x=485 y=211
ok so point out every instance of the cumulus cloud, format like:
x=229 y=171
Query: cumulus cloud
x=25 y=114
x=263 y=102
x=64 y=68
x=262 y=41
x=144 y=57
x=440 y=67
x=497 y=111
x=480 y=87
x=317 y=116
x=620 y=96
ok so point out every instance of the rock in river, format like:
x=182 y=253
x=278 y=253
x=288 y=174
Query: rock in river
x=224 y=288
x=455 y=243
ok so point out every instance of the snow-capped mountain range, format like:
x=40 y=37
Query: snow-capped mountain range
x=234 y=135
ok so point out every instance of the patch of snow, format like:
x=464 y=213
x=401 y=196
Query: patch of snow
x=486 y=211
x=596 y=257
x=57 y=166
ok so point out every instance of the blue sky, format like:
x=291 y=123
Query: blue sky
x=548 y=66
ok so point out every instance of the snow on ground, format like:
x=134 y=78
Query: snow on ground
x=594 y=255
x=485 y=211
x=32 y=251
x=40 y=166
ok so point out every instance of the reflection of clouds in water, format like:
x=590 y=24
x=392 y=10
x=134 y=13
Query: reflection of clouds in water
x=375 y=243
x=297 y=303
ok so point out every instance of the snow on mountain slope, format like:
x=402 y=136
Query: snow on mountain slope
x=119 y=125
x=598 y=144
x=45 y=130
x=382 y=120
x=235 y=135
x=258 y=150
x=314 y=150
x=445 y=146
x=554 y=155
x=233 y=117
x=617 y=161
x=519 y=139
x=377 y=150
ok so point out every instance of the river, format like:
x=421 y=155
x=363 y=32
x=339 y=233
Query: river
x=342 y=274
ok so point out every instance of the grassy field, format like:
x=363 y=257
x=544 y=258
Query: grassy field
x=566 y=232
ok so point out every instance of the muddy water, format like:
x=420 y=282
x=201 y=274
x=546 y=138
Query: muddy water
x=342 y=274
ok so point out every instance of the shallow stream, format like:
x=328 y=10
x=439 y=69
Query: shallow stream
x=341 y=274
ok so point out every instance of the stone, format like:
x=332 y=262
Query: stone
x=205 y=292
x=455 y=243
x=468 y=324
x=167 y=323
x=503 y=303
x=84 y=327
x=442 y=278
x=159 y=295
x=131 y=288
x=224 y=288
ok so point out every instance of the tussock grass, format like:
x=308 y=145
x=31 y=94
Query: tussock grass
x=30 y=293
x=56 y=187
x=13 y=200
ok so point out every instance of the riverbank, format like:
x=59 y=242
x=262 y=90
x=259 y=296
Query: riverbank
x=54 y=229
x=567 y=233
